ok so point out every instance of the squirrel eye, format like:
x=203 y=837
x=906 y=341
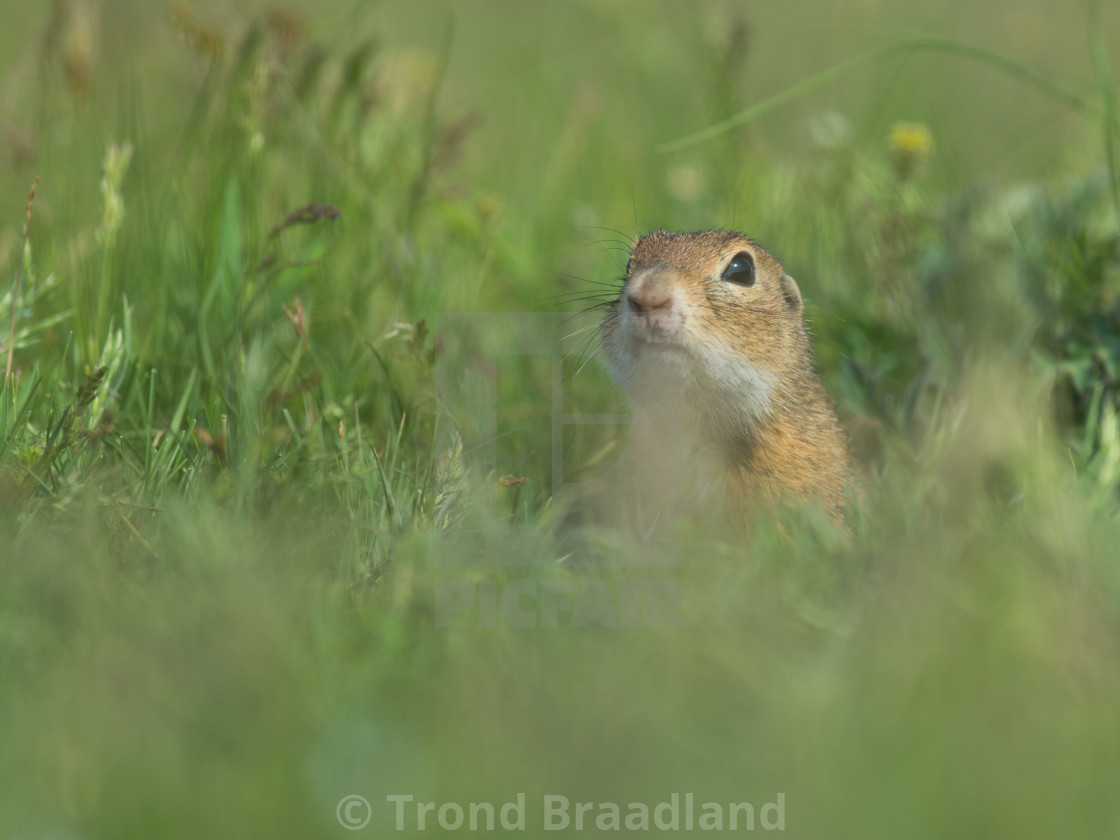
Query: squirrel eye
x=740 y=270
x=629 y=263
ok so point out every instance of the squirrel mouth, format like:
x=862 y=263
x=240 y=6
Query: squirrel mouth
x=662 y=345
x=658 y=345
x=655 y=339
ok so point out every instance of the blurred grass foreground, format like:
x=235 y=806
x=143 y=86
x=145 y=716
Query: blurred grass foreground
x=288 y=383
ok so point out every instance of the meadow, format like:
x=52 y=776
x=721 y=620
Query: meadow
x=297 y=329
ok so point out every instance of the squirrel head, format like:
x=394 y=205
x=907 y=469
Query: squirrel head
x=709 y=317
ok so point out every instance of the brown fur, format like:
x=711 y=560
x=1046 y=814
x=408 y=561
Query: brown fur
x=721 y=378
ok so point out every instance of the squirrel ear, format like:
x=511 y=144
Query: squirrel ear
x=792 y=293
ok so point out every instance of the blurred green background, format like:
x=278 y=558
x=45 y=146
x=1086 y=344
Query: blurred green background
x=274 y=394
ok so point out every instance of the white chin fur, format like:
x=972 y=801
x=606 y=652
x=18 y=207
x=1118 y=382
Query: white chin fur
x=707 y=382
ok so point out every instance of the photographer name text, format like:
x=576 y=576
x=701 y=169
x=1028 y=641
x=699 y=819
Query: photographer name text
x=680 y=812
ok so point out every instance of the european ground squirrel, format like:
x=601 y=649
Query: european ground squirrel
x=707 y=338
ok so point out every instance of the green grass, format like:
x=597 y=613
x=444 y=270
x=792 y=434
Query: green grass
x=288 y=314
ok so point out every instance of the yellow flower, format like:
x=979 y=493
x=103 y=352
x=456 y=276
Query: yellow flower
x=910 y=144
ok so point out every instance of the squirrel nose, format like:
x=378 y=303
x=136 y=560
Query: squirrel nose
x=649 y=299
